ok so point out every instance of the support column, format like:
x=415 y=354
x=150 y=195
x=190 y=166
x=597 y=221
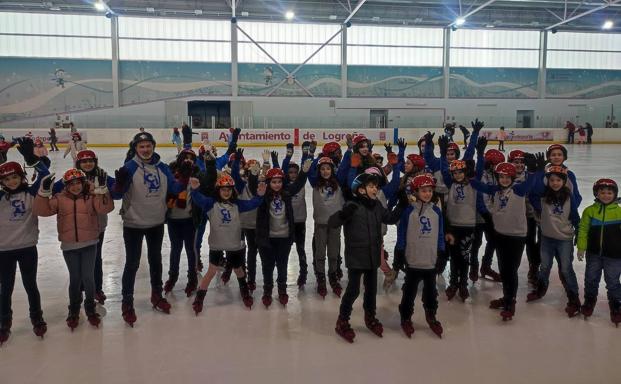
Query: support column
x=344 y=61
x=543 y=63
x=446 y=54
x=234 y=45
x=114 y=25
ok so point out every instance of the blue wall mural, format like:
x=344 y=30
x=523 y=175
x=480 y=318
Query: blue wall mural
x=260 y=79
x=378 y=81
x=39 y=87
x=144 y=81
x=582 y=83
x=497 y=83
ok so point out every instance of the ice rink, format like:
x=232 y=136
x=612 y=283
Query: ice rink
x=230 y=344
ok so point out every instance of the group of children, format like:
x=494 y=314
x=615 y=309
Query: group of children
x=442 y=206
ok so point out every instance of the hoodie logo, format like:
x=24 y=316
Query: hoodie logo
x=557 y=208
x=425 y=225
x=277 y=203
x=153 y=182
x=504 y=201
x=19 y=209
x=226 y=215
x=459 y=193
x=329 y=192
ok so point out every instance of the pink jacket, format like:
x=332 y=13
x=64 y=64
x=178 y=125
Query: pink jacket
x=502 y=135
x=77 y=217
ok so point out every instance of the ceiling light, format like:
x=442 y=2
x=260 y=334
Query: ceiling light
x=608 y=24
x=332 y=17
x=198 y=12
x=289 y=15
x=54 y=8
x=100 y=5
x=460 y=21
x=490 y=26
x=150 y=9
x=375 y=18
x=245 y=14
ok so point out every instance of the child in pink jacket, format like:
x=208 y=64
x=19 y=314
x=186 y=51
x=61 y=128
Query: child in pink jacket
x=78 y=231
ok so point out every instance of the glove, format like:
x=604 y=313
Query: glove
x=274 y=157
x=370 y=146
x=350 y=141
x=235 y=133
x=388 y=148
x=541 y=161
x=101 y=177
x=239 y=154
x=481 y=145
x=26 y=148
x=312 y=147
x=470 y=168
x=580 y=255
x=348 y=211
x=402 y=144
x=306 y=165
x=477 y=125
x=121 y=177
x=429 y=140
x=464 y=131
x=531 y=162
x=185 y=170
x=289 y=149
x=443 y=143
x=404 y=200
x=266 y=155
x=356 y=160
x=305 y=147
x=392 y=158
x=45 y=190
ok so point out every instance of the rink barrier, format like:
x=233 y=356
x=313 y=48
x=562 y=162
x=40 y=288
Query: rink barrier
x=119 y=137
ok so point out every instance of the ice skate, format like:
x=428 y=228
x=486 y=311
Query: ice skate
x=159 y=303
x=434 y=324
x=197 y=305
x=73 y=319
x=100 y=297
x=490 y=274
x=129 y=314
x=497 y=303
x=373 y=324
x=39 y=326
x=450 y=292
x=588 y=307
x=335 y=285
x=344 y=330
x=408 y=328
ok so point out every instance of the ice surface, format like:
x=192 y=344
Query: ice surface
x=229 y=344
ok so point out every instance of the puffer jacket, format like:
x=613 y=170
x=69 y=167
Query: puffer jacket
x=77 y=220
x=600 y=230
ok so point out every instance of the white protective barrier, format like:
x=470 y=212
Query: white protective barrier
x=280 y=137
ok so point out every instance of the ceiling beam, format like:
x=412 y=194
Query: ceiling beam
x=353 y=13
x=477 y=9
x=603 y=6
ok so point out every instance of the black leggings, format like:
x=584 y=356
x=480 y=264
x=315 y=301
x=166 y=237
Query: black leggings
x=533 y=243
x=276 y=255
x=27 y=259
x=300 y=241
x=490 y=245
x=476 y=245
x=510 y=249
x=460 y=254
x=180 y=232
x=251 y=253
x=99 y=264
x=353 y=291
x=410 y=287
x=133 y=250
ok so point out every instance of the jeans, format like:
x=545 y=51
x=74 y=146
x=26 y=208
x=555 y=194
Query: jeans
x=595 y=264
x=533 y=243
x=99 y=264
x=133 y=250
x=81 y=265
x=27 y=258
x=510 y=249
x=181 y=232
x=490 y=246
x=352 y=292
x=460 y=254
x=327 y=241
x=251 y=253
x=563 y=250
x=198 y=237
x=300 y=241
x=476 y=245
x=410 y=287
x=275 y=256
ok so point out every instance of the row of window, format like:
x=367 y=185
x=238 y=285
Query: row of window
x=165 y=39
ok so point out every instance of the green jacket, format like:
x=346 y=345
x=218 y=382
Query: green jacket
x=600 y=230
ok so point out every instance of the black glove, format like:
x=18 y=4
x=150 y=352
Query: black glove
x=481 y=145
x=239 y=154
x=236 y=133
x=477 y=125
x=46 y=183
x=348 y=211
x=186 y=168
x=232 y=148
x=121 y=179
x=429 y=140
x=305 y=147
x=402 y=144
x=370 y=146
x=470 y=168
x=443 y=143
x=26 y=148
x=312 y=146
x=102 y=177
x=388 y=147
x=541 y=162
x=274 y=157
x=404 y=201
x=531 y=162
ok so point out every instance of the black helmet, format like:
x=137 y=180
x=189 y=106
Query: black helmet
x=142 y=136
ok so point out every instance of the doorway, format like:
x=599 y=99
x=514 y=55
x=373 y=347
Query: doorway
x=209 y=114
x=379 y=118
x=525 y=118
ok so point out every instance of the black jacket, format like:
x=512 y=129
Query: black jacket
x=363 y=231
x=263 y=212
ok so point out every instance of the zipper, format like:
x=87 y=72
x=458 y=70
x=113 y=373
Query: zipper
x=75 y=219
x=601 y=233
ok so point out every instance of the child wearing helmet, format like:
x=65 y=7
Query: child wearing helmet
x=276 y=230
x=558 y=214
x=225 y=233
x=420 y=235
x=361 y=219
x=508 y=212
x=74 y=146
x=19 y=226
x=556 y=154
x=77 y=210
x=598 y=240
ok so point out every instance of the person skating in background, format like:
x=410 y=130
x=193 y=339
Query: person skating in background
x=362 y=219
x=77 y=210
x=466 y=134
x=598 y=240
x=420 y=234
x=53 y=140
x=143 y=183
x=187 y=133
x=176 y=139
x=449 y=131
x=502 y=136
x=571 y=131
x=4 y=148
x=589 y=130
x=18 y=244
x=75 y=145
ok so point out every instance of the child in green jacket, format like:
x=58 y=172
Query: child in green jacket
x=598 y=237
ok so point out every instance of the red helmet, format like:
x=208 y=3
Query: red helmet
x=275 y=173
x=506 y=169
x=186 y=151
x=458 y=165
x=359 y=139
x=85 y=154
x=73 y=174
x=225 y=181
x=557 y=170
x=422 y=181
x=453 y=147
x=417 y=160
x=494 y=157
x=11 y=168
x=76 y=135
x=325 y=160
x=556 y=146
x=605 y=183
x=516 y=154
x=330 y=148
